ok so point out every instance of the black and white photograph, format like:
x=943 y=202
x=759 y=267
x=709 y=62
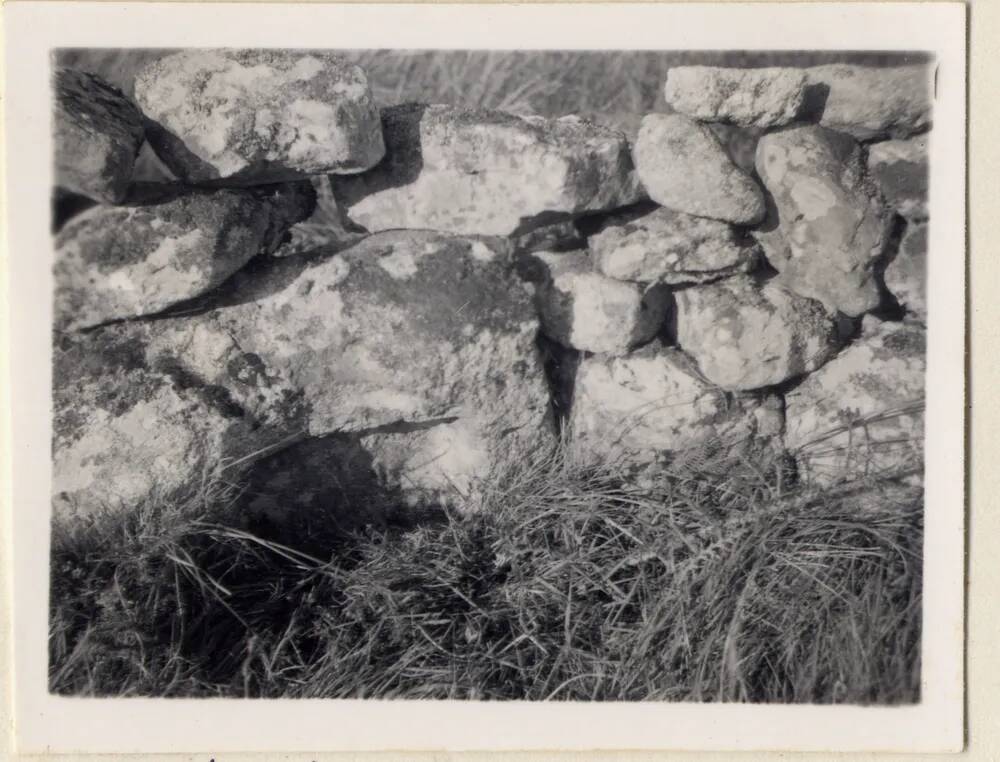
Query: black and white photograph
x=490 y=375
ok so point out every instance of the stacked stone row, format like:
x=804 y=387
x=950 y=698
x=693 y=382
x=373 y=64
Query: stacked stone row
x=816 y=205
x=413 y=345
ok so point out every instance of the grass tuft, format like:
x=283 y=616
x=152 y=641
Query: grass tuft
x=713 y=581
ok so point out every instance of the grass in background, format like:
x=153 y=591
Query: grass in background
x=712 y=582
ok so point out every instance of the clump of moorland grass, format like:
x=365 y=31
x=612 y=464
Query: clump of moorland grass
x=716 y=579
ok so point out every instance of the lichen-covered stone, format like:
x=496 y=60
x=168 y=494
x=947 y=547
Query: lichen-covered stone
x=872 y=103
x=862 y=413
x=747 y=336
x=487 y=172
x=582 y=309
x=248 y=117
x=906 y=273
x=655 y=401
x=415 y=343
x=126 y=433
x=683 y=166
x=670 y=247
x=165 y=245
x=900 y=167
x=767 y=97
x=98 y=133
x=832 y=226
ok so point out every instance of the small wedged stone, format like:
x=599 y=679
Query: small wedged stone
x=98 y=134
x=831 y=224
x=862 y=413
x=767 y=97
x=582 y=309
x=872 y=103
x=419 y=345
x=165 y=245
x=683 y=166
x=746 y=336
x=482 y=172
x=655 y=401
x=670 y=247
x=252 y=117
x=906 y=273
x=900 y=167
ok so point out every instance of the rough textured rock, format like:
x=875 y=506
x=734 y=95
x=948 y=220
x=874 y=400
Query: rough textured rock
x=247 y=117
x=582 y=309
x=740 y=143
x=768 y=97
x=126 y=433
x=684 y=167
x=98 y=133
x=487 y=172
x=654 y=401
x=871 y=103
x=165 y=245
x=862 y=413
x=746 y=336
x=906 y=274
x=900 y=168
x=670 y=247
x=419 y=345
x=832 y=226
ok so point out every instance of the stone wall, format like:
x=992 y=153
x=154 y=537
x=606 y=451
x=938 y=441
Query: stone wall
x=749 y=270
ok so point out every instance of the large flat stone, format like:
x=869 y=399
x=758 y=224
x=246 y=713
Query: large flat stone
x=872 y=103
x=487 y=172
x=418 y=345
x=765 y=97
x=165 y=245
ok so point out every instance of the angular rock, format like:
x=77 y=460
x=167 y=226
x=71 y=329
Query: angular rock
x=832 y=224
x=746 y=336
x=165 y=245
x=126 y=434
x=415 y=344
x=900 y=167
x=582 y=309
x=862 y=413
x=487 y=172
x=872 y=103
x=670 y=247
x=250 y=117
x=655 y=401
x=683 y=166
x=906 y=274
x=98 y=133
x=767 y=97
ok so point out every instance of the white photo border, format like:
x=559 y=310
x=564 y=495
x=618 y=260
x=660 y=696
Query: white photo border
x=48 y=723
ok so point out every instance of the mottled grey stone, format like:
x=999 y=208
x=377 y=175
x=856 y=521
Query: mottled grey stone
x=487 y=172
x=684 y=167
x=249 y=117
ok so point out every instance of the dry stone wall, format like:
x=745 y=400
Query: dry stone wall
x=750 y=272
